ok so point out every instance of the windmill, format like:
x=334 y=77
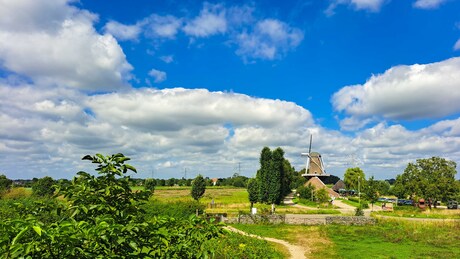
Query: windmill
x=314 y=165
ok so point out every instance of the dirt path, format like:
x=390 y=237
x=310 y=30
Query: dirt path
x=297 y=252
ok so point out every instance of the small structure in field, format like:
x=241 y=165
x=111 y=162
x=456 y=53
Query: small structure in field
x=318 y=184
x=339 y=185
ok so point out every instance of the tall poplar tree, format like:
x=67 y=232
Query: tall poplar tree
x=270 y=176
x=264 y=173
x=276 y=177
x=253 y=189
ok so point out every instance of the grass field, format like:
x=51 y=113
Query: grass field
x=412 y=212
x=387 y=239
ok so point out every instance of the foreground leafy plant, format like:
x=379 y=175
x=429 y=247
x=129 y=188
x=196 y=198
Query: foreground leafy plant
x=104 y=219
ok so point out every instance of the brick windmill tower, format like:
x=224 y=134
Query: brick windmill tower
x=314 y=170
x=314 y=165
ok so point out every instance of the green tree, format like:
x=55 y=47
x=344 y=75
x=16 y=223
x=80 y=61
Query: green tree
x=149 y=185
x=271 y=176
x=288 y=177
x=253 y=191
x=430 y=178
x=276 y=178
x=352 y=177
x=383 y=187
x=263 y=174
x=5 y=183
x=43 y=187
x=371 y=191
x=198 y=187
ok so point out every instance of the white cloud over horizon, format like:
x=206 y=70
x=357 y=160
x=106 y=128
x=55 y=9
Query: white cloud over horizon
x=207 y=132
x=67 y=96
x=420 y=91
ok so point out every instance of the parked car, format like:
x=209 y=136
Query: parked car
x=452 y=205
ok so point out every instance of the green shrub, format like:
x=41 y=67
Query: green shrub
x=306 y=192
x=178 y=209
x=359 y=211
x=364 y=203
x=43 y=187
x=149 y=185
x=5 y=184
x=102 y=219
x=233 y=245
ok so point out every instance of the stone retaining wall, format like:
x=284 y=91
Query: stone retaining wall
x=350 y=220
x=301 y=219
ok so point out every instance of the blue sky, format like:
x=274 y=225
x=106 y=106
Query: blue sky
x=206 y=85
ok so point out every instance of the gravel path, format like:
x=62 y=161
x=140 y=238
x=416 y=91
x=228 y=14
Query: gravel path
x=297 y=252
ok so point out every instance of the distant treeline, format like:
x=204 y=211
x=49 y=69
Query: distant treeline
x=236 y=180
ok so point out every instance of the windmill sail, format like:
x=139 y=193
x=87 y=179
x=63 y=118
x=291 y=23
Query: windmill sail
x=314 y=165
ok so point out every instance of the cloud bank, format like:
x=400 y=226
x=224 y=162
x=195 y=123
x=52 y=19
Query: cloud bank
x=420 y=91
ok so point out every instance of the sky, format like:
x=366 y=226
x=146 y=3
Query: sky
x=192 y=87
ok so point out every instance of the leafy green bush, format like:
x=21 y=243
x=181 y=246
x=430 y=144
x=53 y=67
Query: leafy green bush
x=359 y=211
x=364 y=203
x=103 y=219
x=5 y=184
x=149 y=185
x=43 y=187
x=306 y=192
x=233 y=245
x=178 y=209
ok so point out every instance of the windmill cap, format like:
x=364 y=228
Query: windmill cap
x=315 y=154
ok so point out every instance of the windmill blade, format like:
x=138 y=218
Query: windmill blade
x=309 y=149
x=307 y=164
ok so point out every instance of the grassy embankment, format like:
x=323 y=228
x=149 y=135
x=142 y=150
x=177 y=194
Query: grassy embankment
x=387 y=239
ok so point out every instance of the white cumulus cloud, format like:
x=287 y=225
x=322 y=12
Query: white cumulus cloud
x=428 y=4
x=65 y=50
x=122 y=31
x=158 y=75
x=405 y=92
x=210 y=21
x=269 y=39
x=162 y=26
x=367 y=5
